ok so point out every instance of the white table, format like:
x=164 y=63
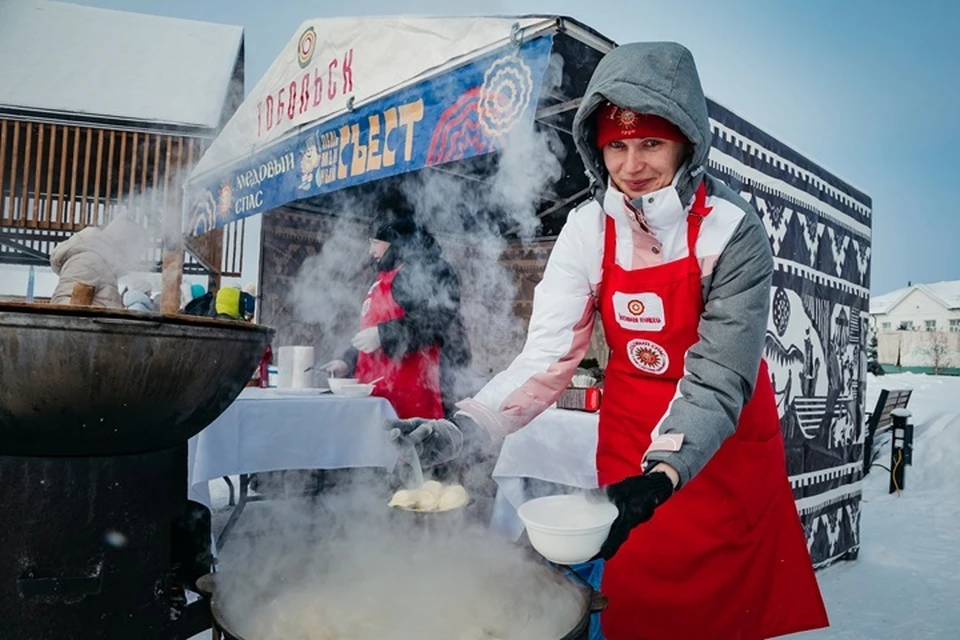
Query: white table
x=559 y=447
x=277 y=429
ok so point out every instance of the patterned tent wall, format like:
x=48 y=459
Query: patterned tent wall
x=820 y=232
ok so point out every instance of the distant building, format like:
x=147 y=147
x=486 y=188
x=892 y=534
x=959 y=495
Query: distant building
x=918 y=307
x=918 y=328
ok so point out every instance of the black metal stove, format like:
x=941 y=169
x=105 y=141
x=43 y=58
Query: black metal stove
x=95 y=412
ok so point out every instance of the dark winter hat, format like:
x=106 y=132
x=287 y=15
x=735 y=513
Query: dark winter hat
x=393 y=229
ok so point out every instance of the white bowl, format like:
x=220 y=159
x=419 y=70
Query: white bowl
x=355 y=390
x=567 y=529
x=336 y=383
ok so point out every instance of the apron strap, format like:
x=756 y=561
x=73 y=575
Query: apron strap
x=609 y=241
x=698 y=211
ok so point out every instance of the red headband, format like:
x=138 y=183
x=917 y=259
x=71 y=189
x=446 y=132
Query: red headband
x=614 y=123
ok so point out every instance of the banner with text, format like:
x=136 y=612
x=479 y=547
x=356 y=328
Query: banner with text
x=467 y=112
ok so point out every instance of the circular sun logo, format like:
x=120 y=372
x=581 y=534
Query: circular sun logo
x=627 y=119
x=635 y=307
x=648 y=356
x=306 y=47
x=506 y=92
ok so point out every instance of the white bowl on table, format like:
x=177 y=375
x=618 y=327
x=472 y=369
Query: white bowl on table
x=353 y=390
x=567 y=529
x=336 y=383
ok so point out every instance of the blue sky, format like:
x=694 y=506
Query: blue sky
x=868 y=89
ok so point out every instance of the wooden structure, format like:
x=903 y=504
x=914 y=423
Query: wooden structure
x=57 y=178
x=112 y=134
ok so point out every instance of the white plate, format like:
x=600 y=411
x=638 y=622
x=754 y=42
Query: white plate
x=290 y=391
x=354 y=390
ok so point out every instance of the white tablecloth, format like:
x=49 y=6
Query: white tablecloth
x=559 y=446
x=274 y=429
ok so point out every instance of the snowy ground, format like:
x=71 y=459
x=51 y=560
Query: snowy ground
x=906 y=583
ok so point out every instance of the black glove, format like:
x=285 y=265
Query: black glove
x=438 y=441
x=636 y=498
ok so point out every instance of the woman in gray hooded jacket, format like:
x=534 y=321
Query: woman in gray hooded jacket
x=708 y=543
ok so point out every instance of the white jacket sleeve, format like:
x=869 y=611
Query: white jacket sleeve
x=564 y=308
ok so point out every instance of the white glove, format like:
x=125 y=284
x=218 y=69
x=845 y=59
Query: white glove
x=367 y=340
x=336 y=368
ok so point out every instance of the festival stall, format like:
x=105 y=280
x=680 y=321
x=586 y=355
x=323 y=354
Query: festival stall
x=354 y=111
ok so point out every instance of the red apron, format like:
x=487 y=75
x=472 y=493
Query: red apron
x=411 y=384
x=725 y=557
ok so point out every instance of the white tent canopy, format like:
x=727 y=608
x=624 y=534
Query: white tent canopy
x=330 y=62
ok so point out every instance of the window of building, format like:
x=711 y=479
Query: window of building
x=930 y=325
x=886 y=326
x=955 y=324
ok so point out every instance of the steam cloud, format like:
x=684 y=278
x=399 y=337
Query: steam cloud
x=346 y=564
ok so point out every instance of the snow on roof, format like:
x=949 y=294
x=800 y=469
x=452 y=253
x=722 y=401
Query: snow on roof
x=882 y=304
x=64 y=58
x=946 y=293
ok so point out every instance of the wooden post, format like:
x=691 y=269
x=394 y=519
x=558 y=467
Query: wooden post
x=85 y=218
x=48 y=196
x=25 y=187
x=3 y=157
x=108 y=191
x=34 y=208
x=98 y=167
x=73 y=179
x=14 y=161
x=61 y=202
x=172 y=263
x=83 y=294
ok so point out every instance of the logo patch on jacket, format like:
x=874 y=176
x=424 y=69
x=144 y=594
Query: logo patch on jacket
x=639 y=311
x=648 y=356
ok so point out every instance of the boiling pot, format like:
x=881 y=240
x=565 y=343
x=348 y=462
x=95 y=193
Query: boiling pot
x=590 y=601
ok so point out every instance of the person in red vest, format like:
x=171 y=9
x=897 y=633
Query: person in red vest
x=678 y=268
x=411 y=330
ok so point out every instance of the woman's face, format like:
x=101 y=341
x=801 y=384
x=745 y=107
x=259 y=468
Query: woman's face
x=378 y=248
x=639 y=166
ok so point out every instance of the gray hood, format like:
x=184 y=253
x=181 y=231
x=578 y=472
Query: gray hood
x=648 y=77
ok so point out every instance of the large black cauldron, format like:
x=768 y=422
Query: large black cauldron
x=96 y=408
x=84 y=381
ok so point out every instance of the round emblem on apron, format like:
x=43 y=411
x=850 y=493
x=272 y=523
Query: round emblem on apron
x=635 y=307
x=648 y=356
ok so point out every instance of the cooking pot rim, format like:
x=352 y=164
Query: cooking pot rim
x=591 y=600
x=95 y=313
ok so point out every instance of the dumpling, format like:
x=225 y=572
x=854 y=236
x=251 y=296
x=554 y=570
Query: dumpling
x=453 y=497
x=434 y=487
x=427 y=500
x=405 y=499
